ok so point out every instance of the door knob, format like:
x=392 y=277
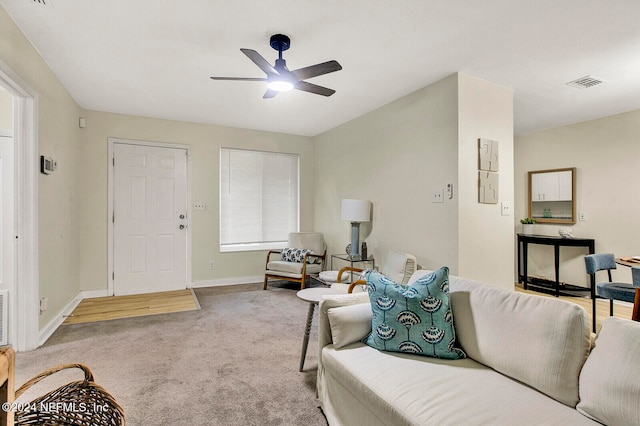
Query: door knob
x=181 y=216
x=182 y=226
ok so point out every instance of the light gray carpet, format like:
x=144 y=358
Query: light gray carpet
x=234 y=362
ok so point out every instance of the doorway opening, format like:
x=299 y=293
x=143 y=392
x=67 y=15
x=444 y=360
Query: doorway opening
x=20 y=215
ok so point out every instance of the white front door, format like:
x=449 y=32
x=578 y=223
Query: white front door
x=149 y=219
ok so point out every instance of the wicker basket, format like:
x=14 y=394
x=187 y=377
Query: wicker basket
x=80 y=403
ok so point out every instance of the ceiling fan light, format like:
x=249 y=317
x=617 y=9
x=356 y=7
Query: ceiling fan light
x=280 y=85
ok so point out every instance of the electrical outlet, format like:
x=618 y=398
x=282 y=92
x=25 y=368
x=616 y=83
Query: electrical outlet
x=582 y=216
x=199 y=206
x=44 y=302
x=438 y=196
x=211 y=264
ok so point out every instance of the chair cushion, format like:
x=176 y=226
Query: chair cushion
x=276 y=266
x=599 y=262
x=332 y=277
x=413 y=319
x=617 y=291
x=399 y=266
x=609 y=379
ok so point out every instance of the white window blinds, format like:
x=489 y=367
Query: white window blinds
x=258 y=199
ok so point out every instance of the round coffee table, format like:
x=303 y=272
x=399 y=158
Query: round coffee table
x=313 y=296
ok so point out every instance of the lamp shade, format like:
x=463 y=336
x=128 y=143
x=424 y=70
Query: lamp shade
x=356 y=210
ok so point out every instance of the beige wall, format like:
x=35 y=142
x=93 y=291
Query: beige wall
x=394 y=156
x=205 y=143
x=397 y=155
x=606 y=154
x=58 y=137
x=485 y=236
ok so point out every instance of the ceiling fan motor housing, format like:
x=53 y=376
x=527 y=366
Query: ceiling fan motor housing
x=280 y=42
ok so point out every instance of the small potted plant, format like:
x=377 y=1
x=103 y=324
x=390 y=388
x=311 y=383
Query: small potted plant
x=527 y=225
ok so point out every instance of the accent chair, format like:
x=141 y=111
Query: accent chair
x=304 y=255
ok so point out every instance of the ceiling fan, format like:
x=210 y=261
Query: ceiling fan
x=279 y=78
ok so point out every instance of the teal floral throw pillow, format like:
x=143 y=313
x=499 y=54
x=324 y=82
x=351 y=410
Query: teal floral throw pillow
x=414 y=319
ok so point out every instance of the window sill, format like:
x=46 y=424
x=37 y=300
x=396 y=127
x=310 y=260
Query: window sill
x=231 y=248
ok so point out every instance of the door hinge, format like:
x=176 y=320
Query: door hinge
x=113 y=217
x=113 y=275
x=113 y=161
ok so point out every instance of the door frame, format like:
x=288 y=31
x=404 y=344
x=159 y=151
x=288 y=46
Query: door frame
x=24 y=312
x=110 y=213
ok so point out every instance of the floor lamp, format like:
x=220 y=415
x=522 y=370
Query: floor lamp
x=356 y=212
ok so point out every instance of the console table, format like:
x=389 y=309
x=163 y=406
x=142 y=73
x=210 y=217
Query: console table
x=524 y=240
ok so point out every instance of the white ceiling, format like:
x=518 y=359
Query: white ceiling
x=154 y=58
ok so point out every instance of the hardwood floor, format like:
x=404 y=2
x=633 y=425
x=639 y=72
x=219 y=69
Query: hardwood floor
x=620 y=310
x=114 y=307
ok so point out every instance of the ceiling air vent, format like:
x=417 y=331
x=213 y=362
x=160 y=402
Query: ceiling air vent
x=586 y=82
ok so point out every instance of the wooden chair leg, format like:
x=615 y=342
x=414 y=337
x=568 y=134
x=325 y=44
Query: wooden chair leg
x=264 y=287
x=635 y=314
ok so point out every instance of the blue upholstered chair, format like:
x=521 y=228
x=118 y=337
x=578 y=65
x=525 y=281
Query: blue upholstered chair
x=635 y=276
x=610 y=290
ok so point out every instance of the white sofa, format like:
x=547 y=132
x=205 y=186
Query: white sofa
x=529 y=361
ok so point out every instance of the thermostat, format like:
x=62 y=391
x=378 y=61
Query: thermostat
x=47 y=165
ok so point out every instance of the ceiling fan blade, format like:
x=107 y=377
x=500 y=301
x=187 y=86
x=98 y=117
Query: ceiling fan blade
x=316 y=70
x=270 y=94
x=260 y=61
x=238 y=78
x=314 y=88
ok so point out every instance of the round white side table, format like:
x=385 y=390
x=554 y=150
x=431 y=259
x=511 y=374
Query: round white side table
x=313 y=296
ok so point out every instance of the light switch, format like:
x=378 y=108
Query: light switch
x=506 y=208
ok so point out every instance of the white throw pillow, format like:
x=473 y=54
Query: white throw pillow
x=609 y=387
x=349 y=324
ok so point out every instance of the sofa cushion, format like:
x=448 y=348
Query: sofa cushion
x=414 y=319
x=349 y=324
x=364 y=386
x=609 y=384
x=540 y=341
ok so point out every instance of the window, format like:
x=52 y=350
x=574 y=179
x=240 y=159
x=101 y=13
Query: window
x=258 y=199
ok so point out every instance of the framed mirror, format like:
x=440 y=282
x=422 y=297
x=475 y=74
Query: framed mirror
x=552 y=196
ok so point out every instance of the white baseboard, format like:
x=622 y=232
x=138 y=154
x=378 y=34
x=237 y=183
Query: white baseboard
x=92 y=294
x=57 y=321
x=227 y=281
